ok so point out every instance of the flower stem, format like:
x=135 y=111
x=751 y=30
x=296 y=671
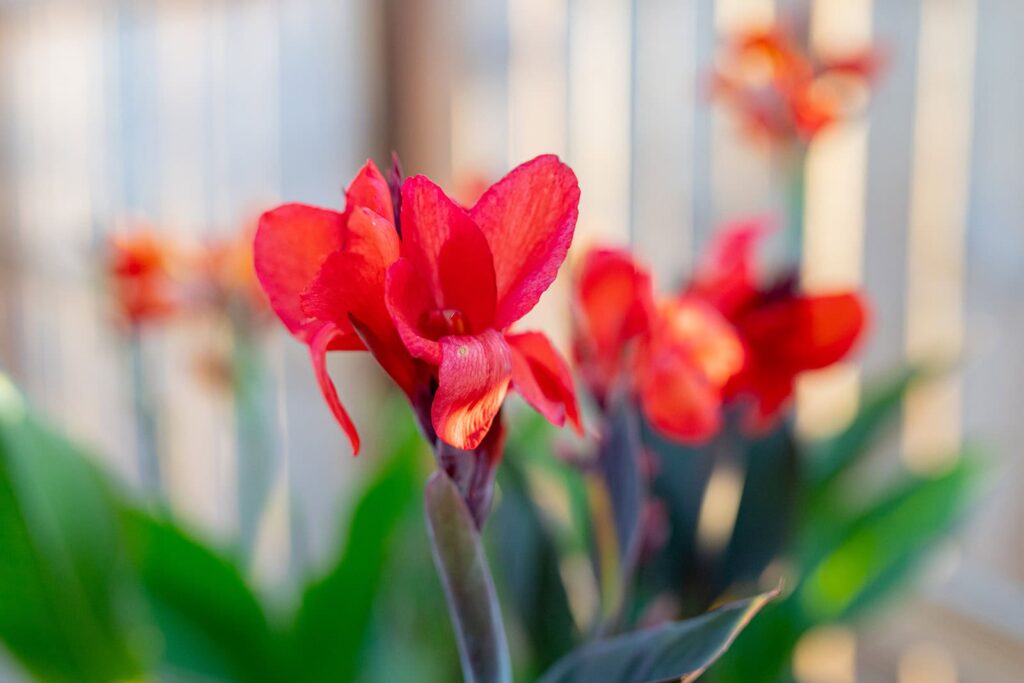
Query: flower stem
x=468 y=585
x=147 y=449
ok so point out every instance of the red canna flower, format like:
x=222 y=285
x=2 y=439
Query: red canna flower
x=676 y=358
x=783 y=92
x=141 y=269
x=784 y=332
x=431 y=289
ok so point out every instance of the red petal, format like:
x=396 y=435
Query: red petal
x=727 y=275
x=528 y=218
x=408 y=298
x=678 y=399
x=614 y=304
x=472 y=382
x=541 y=376
x=805 y=332
x=691 y=327
x=319 y=343
x=370 y=190
x=291 y=243
x=449 y=251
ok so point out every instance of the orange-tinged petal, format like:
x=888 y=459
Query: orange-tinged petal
x=694 y=328
x=542 y=378
x=319 y=343
x=291 y=244
x=528 y=218
x=677 y=397
x=473 y=379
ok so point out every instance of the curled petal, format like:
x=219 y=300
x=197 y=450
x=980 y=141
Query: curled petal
x=408 y=300
x=528 y=217
x=370 y=190
x=291 y=244
x=473 y=379
x=319 y=343
x=541 y=376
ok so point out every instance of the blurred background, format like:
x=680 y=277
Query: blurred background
x=194 y=115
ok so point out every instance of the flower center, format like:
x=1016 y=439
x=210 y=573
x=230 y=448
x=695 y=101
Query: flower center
x=443 y=322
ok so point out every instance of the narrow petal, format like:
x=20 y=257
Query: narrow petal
x=408 y=298
x=542 y=377
x=319 y=343
x=370 y=190
x=472 y=382
x=690 y=326
x=291 y=244
x=528 y=217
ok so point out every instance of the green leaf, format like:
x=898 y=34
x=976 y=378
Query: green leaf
x=330 y=628
x=879 y=409
x=63 y=584
x=211 y=622
x=680 y=651
x=469 y=589
x=853 y=567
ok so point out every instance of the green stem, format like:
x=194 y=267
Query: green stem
x=468 y=585
x=795 y=168
x=252 y=438
x=147 y=449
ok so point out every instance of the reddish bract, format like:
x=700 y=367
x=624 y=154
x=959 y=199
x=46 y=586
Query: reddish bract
x=434 y=304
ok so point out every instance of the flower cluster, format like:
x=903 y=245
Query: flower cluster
x=431 y=289
x=153 y=277
x=783 y=92
x=724 y=338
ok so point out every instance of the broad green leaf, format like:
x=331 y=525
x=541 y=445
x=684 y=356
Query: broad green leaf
x=210 y=620
x=469 y=589
x=331 y=626
x=879 y=409
x=680 y=651
x=853 y=567
x=66 y=609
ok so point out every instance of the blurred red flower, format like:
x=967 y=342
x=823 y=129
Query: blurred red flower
x=784 y=92
x=431 y=289
x=783 y=331
x=142 y=269
x=675 y=357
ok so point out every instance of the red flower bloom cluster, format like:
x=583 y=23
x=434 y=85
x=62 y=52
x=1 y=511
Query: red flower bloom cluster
x=724 y=338
x=153 y=277
x=784 y=93
x=431 y=289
